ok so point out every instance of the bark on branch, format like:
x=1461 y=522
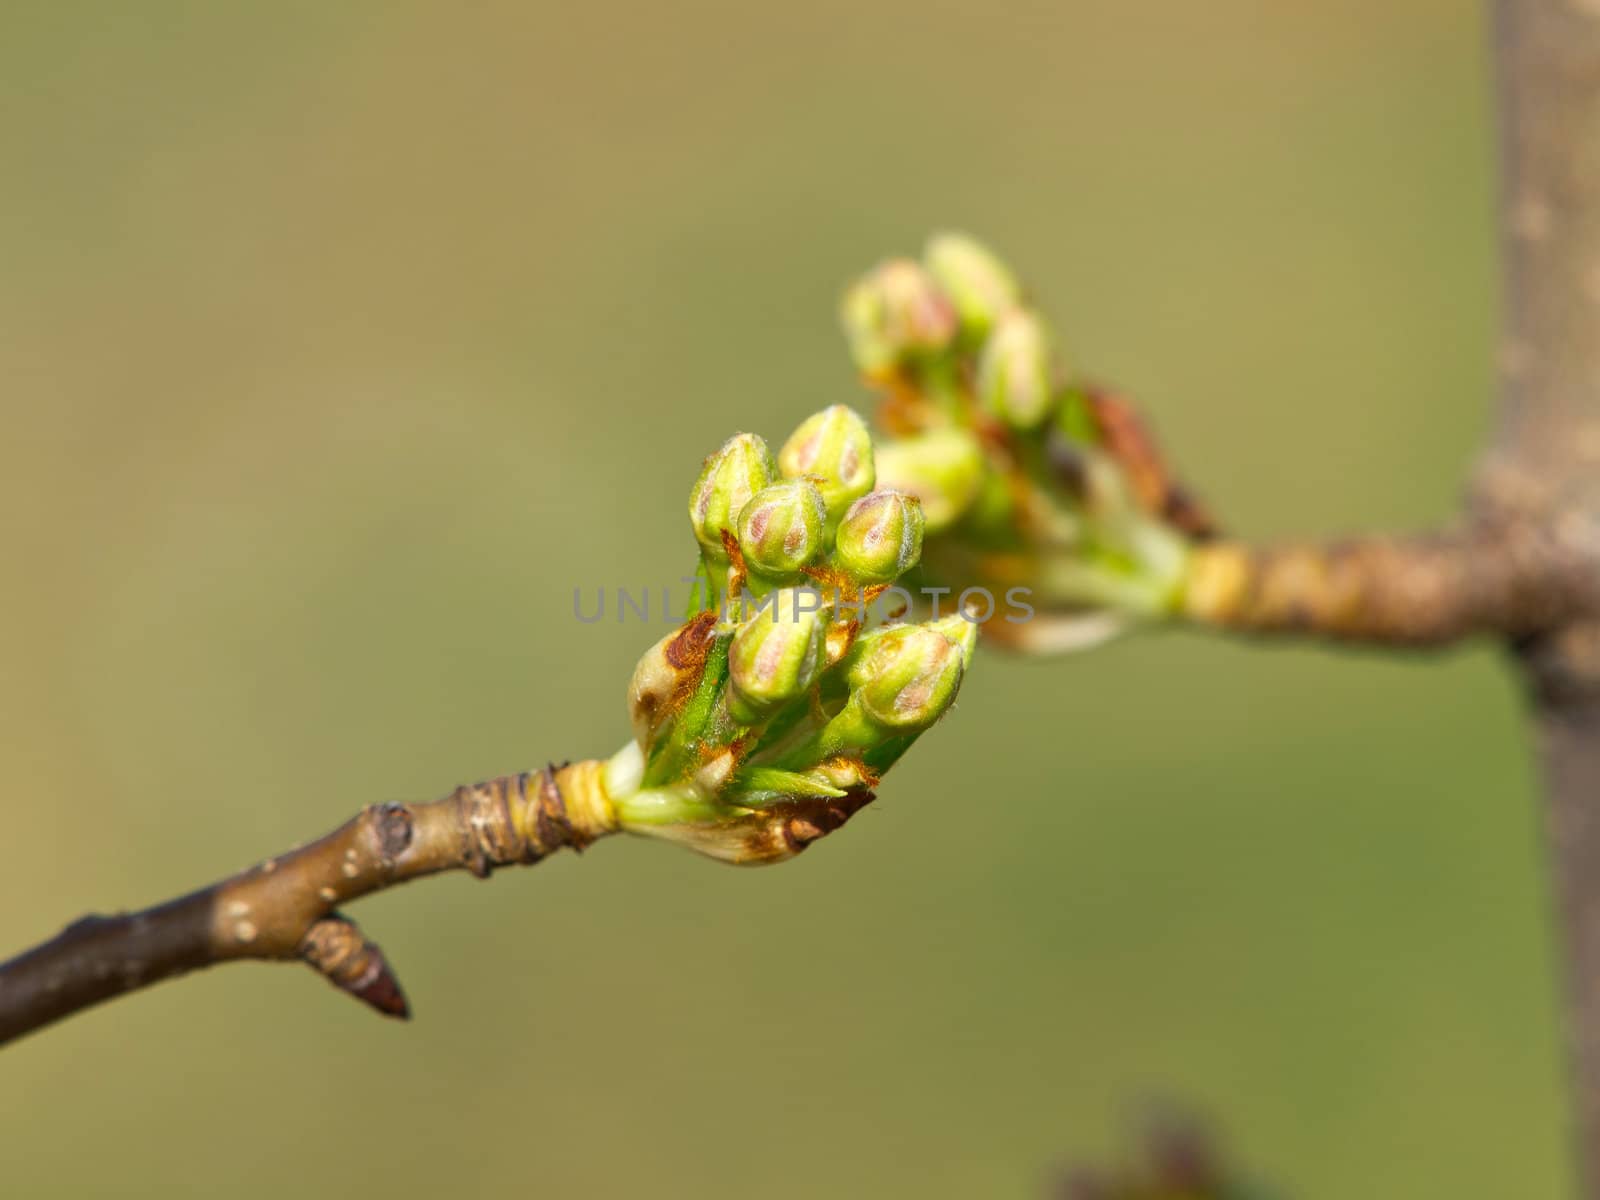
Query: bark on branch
x=286 y=908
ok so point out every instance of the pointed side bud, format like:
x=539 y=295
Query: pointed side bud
x=944 y=469
x=1014 y=370
x=728 y=480
x=775 y=655
x=908 y=679
x=880 y=538
x=979 y=285
x=781 y=529
x=833 y=449
x=895 y=314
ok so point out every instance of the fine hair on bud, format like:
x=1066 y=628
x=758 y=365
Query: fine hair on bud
x=833 y=449
x=880 y=538
x=727 y=482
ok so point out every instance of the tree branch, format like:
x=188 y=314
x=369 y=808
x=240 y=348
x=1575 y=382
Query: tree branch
x=285 y=909
x=1512 y=580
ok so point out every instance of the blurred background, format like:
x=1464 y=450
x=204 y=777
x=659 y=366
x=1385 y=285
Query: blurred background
x=341 y=342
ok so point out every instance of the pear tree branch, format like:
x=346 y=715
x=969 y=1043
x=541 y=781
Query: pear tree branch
x=287 y=908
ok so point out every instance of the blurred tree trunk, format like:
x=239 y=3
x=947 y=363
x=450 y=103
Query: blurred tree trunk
x=1544 y=466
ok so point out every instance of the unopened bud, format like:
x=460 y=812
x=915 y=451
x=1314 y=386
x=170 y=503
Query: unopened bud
x=894 y=314
x=775 y=655
x=880 y=538
x=943 y=468
x=1014 y=376
x=908 y=678
x=979 y=285
x=833 y=449
x=781 y=529
x=728 y=480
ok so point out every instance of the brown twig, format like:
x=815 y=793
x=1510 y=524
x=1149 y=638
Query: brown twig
x=285 y=909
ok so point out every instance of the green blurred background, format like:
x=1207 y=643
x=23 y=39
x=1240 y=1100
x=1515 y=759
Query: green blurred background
x=341 y=342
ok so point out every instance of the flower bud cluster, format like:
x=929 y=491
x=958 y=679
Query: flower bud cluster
x=767 y=720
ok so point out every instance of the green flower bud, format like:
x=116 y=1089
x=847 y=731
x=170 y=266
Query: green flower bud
x=775 y=655
x=880 y=538
x=833 y=449
x=781 y=529
x=908 y=678
x=1014 y=370
x=861 y=664
x=895 y=314
x=728 y=480
x=944 y=469
x=980 y=286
